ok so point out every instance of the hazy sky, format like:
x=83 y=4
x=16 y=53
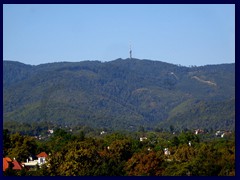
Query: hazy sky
x=178 y=34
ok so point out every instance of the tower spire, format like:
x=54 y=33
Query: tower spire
x=130 y=52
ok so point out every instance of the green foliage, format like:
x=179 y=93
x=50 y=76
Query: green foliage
x=171 y=128
x=127 y=95
x=185 y=137
x=120 y=94
x=80 y=159
x=204 y=115
x=6 y=141
x=59 y=140
x=118 y=154
x=21 y=147
x=145 y=164
x=30 y=128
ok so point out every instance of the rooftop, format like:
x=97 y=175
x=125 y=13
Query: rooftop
x=42 y=154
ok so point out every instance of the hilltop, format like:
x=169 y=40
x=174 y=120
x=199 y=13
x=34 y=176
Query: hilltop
x=120 y=94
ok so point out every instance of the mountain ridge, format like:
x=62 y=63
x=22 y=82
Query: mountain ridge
x=118 y=94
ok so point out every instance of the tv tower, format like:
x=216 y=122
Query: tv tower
x=130 y=52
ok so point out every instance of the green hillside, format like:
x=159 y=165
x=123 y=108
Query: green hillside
x=120 y=94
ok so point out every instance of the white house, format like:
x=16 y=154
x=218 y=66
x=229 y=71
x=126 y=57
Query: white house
x=50 y=131
x=218 y=133
x=166 y=152
x=102 y=132
x=143 y=138
x=198 y=131
x=30 y=164
x=42 y=158
x=222 y=135
x=189 y=143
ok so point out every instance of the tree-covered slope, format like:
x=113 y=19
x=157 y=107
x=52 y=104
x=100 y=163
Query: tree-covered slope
x=198 y=114
x=120 y=94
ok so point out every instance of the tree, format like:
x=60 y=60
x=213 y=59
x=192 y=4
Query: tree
x=141 y=129
x=21 y=147
x=114 y=157
x=175 y=141
x=184 y=153
x=145 y=164
x=76 y=159
x=171 y=128
x=121 y=149
x=9 y=171
x=81 y=136
x=205 y=162
x=6 y=141
x=185 y=137
x=60 y=139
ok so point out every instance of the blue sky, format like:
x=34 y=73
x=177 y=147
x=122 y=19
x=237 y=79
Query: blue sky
x=177 y=34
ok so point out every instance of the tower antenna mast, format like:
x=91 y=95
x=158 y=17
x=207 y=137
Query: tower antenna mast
x=130 y=52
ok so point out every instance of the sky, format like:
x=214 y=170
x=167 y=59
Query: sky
x=178 y=34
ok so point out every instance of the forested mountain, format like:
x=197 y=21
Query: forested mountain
x=120 y=94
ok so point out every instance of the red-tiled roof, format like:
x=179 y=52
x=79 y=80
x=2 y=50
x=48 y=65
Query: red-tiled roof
x=42 y=154
x=8 y=159
x=16 y=165
x=6 y=163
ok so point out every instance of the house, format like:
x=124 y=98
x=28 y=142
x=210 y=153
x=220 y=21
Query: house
x=16 y=165
x=143 y=138
x=42 y=158
x=189 y=143
x=222 y=133
x=33 y=161
x=102 y=132
x=7 y=162
x=219 y=133
x=166 y=152
x=30 y=164
x=198 y=131
x=50 y=131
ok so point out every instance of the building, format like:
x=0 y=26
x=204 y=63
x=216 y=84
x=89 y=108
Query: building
x=142 y=138
x=50 y=131
x=30 y=164
x=7 y=162
x=102 y=132
x=35 y=161
x=42 y=158
x=198 y=131
x=166 y=152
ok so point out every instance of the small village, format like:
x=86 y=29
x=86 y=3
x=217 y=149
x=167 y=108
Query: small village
x=146 y=140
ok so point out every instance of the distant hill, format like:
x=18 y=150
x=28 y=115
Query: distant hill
x=120 y=94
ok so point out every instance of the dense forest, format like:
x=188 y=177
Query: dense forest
x=142 y=153
x=120 y=118
x=120 y=94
